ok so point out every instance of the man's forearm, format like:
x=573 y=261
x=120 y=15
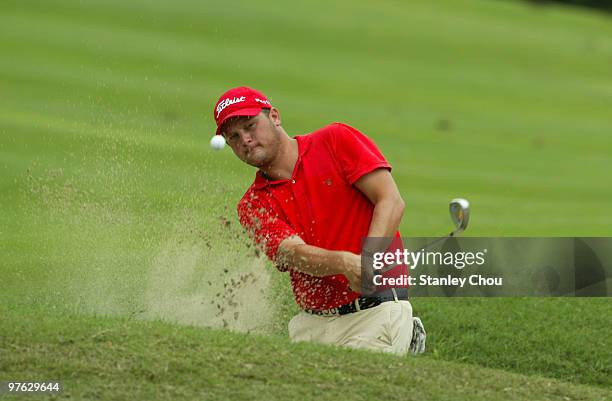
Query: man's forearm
x=312 y=260
x=297 y=255
x=386 y=217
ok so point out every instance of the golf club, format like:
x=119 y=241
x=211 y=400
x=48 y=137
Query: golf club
x=459 y=209
x=460 y=214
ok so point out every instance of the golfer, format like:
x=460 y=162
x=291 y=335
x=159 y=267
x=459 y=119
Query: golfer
x=314 y=199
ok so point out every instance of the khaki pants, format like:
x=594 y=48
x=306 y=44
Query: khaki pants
x=386 y=327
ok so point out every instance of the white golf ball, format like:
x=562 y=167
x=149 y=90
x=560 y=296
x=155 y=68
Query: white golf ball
x=217 y=142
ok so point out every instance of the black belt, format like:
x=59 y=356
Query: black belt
x=361 y=303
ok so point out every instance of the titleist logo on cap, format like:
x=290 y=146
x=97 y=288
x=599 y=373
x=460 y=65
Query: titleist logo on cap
x=227 y=102
x=263 y=101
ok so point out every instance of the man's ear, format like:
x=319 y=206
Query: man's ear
x=275 y=116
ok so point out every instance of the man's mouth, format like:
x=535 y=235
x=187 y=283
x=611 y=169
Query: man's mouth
x=251 y=149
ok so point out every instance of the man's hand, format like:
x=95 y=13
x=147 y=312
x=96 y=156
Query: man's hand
x=352 y=270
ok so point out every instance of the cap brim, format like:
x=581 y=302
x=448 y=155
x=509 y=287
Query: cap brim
x=248 y=112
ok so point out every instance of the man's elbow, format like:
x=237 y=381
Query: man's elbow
x=400 y=206
x=393 y=202
x=289 y=249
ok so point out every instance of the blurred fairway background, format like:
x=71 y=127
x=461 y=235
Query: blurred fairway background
x=112 y=204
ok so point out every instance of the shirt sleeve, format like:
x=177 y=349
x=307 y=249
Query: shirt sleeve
x=357 y=154
x=264 y=225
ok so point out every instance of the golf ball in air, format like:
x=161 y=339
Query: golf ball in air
x=217 y=142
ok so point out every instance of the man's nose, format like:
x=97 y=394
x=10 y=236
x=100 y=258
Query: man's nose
x=245 y=136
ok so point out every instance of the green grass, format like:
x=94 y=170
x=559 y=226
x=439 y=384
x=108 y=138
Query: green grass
x=114 y=211
x=102 y=358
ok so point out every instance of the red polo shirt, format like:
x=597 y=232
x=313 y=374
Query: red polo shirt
x=319 y=204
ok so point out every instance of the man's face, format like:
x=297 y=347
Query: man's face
x=255 y=140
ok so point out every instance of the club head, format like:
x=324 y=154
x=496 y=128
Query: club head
x=460 y=214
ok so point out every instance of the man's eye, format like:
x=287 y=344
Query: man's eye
x=251 y=126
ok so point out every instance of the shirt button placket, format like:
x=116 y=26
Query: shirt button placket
x=293 y=199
